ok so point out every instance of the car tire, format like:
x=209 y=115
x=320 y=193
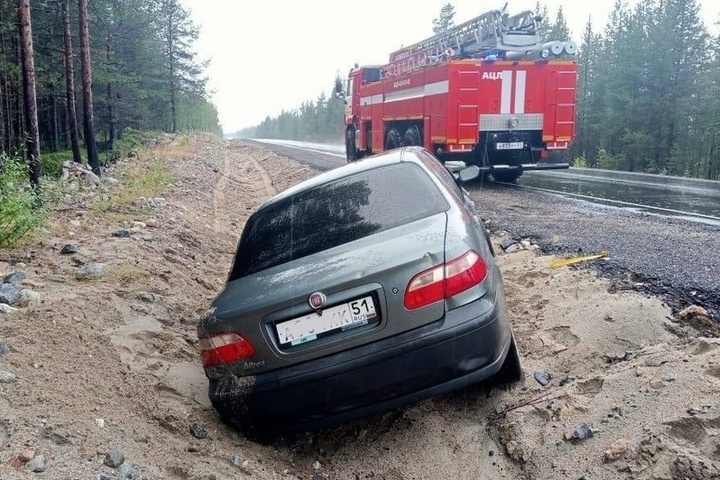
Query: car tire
x=511 y=370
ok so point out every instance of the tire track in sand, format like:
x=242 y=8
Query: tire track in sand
x=220 y=226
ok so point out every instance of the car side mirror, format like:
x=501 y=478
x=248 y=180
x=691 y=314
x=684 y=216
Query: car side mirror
x=468 y=173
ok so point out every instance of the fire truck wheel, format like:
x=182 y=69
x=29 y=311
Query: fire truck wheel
x=506 y=177
x=350 y=150
x=392 y=140
x=412 y=136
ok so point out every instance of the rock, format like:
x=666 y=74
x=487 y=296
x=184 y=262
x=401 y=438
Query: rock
x=28 y=298
x=609 y=317
x=105 y=476
x=657 y=383
x=128 y=471
x=91 y=271
x=114 y=458
x=26 y=456
x=617 y=450
x=198 y=431
x=110 y=180
x=15 y=278
x=100 y=422
x=5 y=308
x=525 y=244
x=146 y=297
x=7 y=377
x=583 y=432
x=559 y=347
x=121 y=234
x=694 y=312
x=156 y=202
x=510 y=447
x=9 y=293
x=316 y=465
x=542 y=378
x=193 y=448
x=68 y=249
x=36 y=465
x=3 y=348
x=139 y=225
x=505 y=244
x=75 y=223
x=236 y=460
x=152 y=223
x=91 y=177
x=512 y=248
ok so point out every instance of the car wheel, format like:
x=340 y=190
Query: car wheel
x=511 y=371
x=392 y=140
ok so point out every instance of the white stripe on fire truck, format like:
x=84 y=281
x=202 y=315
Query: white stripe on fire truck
x=430 y=89
x=506 y=93
x=520 y=91
x=371 y=100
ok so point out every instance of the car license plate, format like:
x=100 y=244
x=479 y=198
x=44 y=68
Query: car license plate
x=339 y=318
x=509 y=145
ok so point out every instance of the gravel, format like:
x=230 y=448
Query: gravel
x=675 y=258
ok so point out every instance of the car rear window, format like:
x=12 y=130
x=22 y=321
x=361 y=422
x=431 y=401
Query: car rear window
x=335 y=213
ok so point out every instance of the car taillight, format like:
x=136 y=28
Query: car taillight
x=225 y=348
x=445 y=281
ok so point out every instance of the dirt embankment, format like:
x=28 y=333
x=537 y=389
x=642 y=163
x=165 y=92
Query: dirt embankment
x=110 y=364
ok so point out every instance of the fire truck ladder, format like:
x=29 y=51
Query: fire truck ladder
x=493 y=30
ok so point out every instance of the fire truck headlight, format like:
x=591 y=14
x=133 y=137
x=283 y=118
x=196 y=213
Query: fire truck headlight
x=513 y=122
x=545 y=53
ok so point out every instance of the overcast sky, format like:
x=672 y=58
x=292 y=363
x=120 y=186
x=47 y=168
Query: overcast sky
x=267 y=55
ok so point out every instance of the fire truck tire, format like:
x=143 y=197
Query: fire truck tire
x=392 y=140
x=412 y=136
x=507 y=177
x=350 y=150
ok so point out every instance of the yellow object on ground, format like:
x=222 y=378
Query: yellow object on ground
x=564 y=262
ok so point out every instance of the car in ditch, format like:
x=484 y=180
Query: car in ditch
x=360 y=290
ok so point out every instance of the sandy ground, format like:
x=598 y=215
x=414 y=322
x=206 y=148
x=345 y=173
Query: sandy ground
x=112 y=364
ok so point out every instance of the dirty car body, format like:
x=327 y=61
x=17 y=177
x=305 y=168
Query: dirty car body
x=360 y=290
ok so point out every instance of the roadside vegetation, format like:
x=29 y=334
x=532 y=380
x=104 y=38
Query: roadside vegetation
x=91 y=83
x=648 y=95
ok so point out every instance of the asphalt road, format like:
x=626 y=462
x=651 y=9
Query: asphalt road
x=672 y=252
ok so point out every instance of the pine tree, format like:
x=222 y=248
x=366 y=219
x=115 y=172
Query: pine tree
x=445 y=20
x=559 y=29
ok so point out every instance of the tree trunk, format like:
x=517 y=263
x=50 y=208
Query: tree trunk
x=2 y=113
x=70 y=84
x=110 y=109
x=28 y=72
x=54 y=130
x=89 y=118
x=173 y=85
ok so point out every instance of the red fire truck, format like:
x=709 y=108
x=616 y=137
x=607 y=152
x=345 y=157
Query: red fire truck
x=488 y=92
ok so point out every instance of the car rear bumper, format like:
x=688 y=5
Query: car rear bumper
x=468 y=345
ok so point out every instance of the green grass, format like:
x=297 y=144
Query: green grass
x=20 y=211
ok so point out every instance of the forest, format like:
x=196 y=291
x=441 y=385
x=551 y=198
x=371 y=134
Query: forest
x=129 y=64
x=648 y=95
x=85 y=81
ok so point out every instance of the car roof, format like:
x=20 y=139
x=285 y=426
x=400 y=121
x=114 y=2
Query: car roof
x=389 y=157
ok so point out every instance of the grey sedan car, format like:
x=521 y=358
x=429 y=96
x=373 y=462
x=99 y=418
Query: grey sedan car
x=360 y=290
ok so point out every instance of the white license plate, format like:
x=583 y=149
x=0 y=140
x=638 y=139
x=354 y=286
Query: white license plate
x=340 y=317
x=509 y=146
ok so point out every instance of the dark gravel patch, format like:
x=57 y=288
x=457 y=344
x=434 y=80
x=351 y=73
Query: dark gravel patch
x=676 y=259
